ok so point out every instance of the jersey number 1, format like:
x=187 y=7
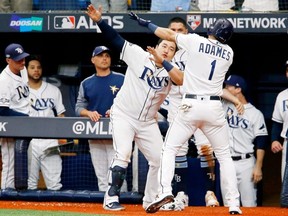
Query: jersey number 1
x=213 y=64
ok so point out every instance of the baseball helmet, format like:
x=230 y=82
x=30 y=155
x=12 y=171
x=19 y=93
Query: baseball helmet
x=221 y=29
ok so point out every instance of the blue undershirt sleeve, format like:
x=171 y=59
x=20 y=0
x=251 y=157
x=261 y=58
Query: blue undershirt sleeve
x=276 y=131
x=111 y=35
x=261 y=142
x=6 y=111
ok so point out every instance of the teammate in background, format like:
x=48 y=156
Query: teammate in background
x=201 y=106
x=14 y=101
x=133 y=114
x=95 y=98
x=180 y=182
x=280 y=125
x=45 y=101
x=111 y=5
x=16 y=5
x=263 y=5
x=248 y=134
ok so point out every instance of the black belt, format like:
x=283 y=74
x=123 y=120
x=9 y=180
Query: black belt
x=236 y=158
x=192 y=96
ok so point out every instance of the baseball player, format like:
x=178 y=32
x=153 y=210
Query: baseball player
x=14 y=101
x=45 y=101
x=173 y=101
x=95 y=98
x=248 y=133
x=280 y=125
x=134 y=110
x=208 y=61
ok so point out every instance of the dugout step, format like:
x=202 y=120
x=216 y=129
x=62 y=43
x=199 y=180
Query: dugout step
x=66 y=196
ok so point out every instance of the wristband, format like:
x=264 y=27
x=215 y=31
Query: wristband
x=168 y=67
x=152 y=27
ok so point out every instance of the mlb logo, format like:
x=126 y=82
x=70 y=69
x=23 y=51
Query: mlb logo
x=194 y=21
x=64 y=22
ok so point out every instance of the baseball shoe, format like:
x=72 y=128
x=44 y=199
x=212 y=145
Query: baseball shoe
x=234 y=210
x=211 y=199
x=113 y=206
x=159 y=202
x=176 y=205
x=181 y=196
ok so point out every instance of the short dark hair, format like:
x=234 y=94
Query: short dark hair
x=31 y=58
x=178 y=20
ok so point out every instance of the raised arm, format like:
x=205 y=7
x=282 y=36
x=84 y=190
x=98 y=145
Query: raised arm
x=109 y=33
x=163 y=33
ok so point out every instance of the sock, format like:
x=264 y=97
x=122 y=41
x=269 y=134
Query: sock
x=180 y=180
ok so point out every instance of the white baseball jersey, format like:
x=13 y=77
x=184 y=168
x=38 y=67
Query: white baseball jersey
x=176 y=92
x=46 y=101
x=207 y=73
x=280 y=113
x=141 y=100
x=208 y=5
x=263 y=5
x=244 y=128
x=14 y=90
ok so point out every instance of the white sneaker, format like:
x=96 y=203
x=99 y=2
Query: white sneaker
x=181 y=196
x=177 y=205
x=235 y=210
x=159 y=202
x=211 y=199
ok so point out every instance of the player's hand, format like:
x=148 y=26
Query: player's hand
x=140 y=21
x=107 y=114
x=93 y=13
x=239 y=107
x=156 y=57
x=94 y=116
x=257 y=175
x=276 y=147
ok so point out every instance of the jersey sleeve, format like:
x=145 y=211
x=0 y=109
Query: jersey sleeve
x=260 y=128
x=60 y=109
x=132 y=54
x=5 y=93
x=81 y=102
x=276 y=116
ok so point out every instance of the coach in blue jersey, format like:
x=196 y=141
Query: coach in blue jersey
x=95 y=98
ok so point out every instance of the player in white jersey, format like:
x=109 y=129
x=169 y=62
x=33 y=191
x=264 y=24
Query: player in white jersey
x=280 y=125
x=208 y=61
x=174 y=98
x=135 y=107
x=248 y=134
x=14 y=101
x=45 y=101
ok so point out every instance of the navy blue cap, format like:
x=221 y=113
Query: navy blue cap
x=100 y=49
x=15 y=52
x=236 y=81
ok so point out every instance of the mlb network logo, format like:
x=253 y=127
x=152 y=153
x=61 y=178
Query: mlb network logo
x=64 y=22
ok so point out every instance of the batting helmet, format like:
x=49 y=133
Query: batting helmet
x=221 y=29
